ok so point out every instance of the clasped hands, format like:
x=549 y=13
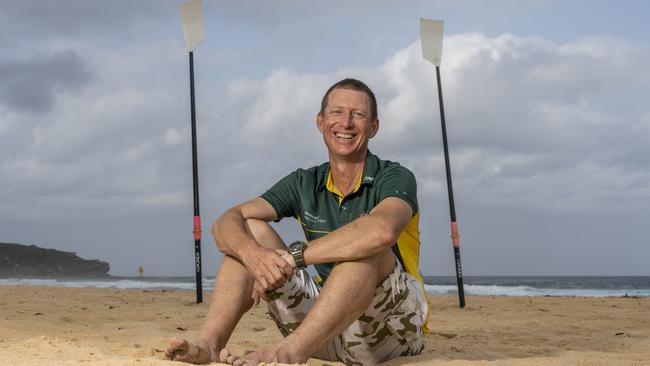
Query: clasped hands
x=271 y=268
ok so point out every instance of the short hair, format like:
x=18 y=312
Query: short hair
x=352 y=84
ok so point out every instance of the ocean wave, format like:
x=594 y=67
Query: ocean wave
x=494 y=290
x=188 y=284
x=147 y=283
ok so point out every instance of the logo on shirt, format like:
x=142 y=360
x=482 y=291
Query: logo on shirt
x=311 y=218
x=368 y=179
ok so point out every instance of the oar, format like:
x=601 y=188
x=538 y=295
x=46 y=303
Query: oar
x=431 y=36
x=192 y=20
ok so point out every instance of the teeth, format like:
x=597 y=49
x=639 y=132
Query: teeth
x=343 y=135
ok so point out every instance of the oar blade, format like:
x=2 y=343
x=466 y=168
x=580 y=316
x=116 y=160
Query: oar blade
x=431 y=37
x=192 y=20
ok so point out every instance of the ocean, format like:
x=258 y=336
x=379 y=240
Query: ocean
x=584 y=286
x=435 y=285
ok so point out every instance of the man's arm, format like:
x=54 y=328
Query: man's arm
x=233 y=239
x=364 y=237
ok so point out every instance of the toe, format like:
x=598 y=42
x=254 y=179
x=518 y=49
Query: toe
x=223 y=355
x=231 y=359
x=176 y=347
x=242 y=362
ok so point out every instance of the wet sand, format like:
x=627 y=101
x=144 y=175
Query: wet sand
x=71 y=326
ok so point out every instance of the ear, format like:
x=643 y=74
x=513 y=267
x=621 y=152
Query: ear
x=319 y=122
x=374 y=127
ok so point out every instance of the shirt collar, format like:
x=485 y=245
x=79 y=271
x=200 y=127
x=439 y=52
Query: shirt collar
x=370 y=169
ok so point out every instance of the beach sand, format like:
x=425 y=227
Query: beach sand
x=71 y=326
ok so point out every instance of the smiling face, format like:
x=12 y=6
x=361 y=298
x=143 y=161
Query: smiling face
x=346 y=124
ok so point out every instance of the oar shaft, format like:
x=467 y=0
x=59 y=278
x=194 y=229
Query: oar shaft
x=195 y=180
x=455 y=236
x=450 y=188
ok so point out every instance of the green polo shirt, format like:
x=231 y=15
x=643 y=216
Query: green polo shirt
x=310 y=196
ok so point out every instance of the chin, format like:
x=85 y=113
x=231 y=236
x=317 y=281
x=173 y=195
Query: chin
x=346 y=152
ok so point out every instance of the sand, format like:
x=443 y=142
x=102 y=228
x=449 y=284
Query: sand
x=66 y=326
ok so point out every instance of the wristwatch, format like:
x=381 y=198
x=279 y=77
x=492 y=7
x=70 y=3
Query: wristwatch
x=297 y=251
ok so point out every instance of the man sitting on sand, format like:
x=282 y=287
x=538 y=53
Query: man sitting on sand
x=360 y=217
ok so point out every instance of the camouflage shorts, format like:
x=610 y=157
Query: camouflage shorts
x=390 y=327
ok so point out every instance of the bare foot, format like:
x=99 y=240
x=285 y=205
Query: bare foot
x=226 y=356
x=197 y=352
x=280 y=352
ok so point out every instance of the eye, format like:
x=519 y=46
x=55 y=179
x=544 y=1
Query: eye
x=336 y=112
x=358 y=115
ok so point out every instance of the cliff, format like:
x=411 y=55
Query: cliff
x=30 y=261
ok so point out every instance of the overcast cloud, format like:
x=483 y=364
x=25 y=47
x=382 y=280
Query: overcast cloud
x=549 y=135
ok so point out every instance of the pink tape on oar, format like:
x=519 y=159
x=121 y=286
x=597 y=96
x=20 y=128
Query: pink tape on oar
x=197 y=228
x=455 y=237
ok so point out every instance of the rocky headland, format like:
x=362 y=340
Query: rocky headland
x=30 y=261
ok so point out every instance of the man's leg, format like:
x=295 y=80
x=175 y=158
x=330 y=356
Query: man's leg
x=347 y=293
x=231 y=299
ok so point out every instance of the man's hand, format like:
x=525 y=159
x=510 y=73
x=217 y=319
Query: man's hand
x=258 y=290
x=268 y=268
x=258 y=293
x=287 y=257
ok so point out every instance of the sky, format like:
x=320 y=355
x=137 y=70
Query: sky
x=546 y=107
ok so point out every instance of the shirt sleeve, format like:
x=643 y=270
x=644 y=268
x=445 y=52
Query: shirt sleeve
x=398 y=182
x=283 y=196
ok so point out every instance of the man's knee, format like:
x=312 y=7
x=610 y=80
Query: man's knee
x=380 y=265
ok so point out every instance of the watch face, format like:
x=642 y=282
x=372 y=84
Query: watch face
x=298 y=245
x=297 y=250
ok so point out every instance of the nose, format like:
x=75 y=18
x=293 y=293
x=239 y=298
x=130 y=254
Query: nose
x=348 y=120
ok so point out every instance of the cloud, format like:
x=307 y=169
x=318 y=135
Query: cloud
x=533 y=125
x=522 y=113
x=531 y=106
x=33 y=84
x=110 y=145
x=77 y=18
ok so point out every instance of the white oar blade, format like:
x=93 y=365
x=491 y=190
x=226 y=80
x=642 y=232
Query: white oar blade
x=192 y=19
x=431 y=36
